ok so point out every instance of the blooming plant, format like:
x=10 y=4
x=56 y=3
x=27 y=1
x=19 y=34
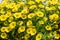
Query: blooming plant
x=30 y=20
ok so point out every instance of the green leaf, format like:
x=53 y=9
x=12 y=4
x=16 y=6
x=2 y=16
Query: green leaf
x=44 y=36
x=13 y=32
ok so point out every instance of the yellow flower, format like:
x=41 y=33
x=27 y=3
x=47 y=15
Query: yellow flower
x=47 y=8
x=51 y=17
x=59 y=30
x=54 y=17
x=40 y=14
x=45 y=19
x=15 y=8
x=25 y=11
x=22 y=3
x=3 y=4
x=48 y=2
x=56 y=26
x=3 y=35
x=12 y=25
x=29 y=30
x=2 y=12
x=8 y=29
x=3 y=17
x=41 y=22
x=17 y=15
x=21 y=29
x=31 y=15
x=54 y=2
x=24 y=16
x=8 y=14
x=57 y=12
x=20 y=23
x=29 y=23
x=55 y=32
x=55 y=22
x=10 y=19
x=32 y=6
x=57 y=36
x=31 y=2
x=26 y=36
x=59 y=7
x=41 y=6
x=52 y=8
x=10 y=5
x=5 y=23
x=33 y=31
x=38 y=1
x=3 y=29
x=38 y=36
x=48 y=27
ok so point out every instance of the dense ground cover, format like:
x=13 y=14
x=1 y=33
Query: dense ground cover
x=30 y=20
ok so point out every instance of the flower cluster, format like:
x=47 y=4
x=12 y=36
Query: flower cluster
x=30 y=19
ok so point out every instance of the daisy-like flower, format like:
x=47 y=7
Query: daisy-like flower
x=3 y=17
x=17 y=15
x=48 y=27
x=31 y=15
x=3 y=35
x=40 y=14
x=3 y=29
x=38 y=36
x=21 y=29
